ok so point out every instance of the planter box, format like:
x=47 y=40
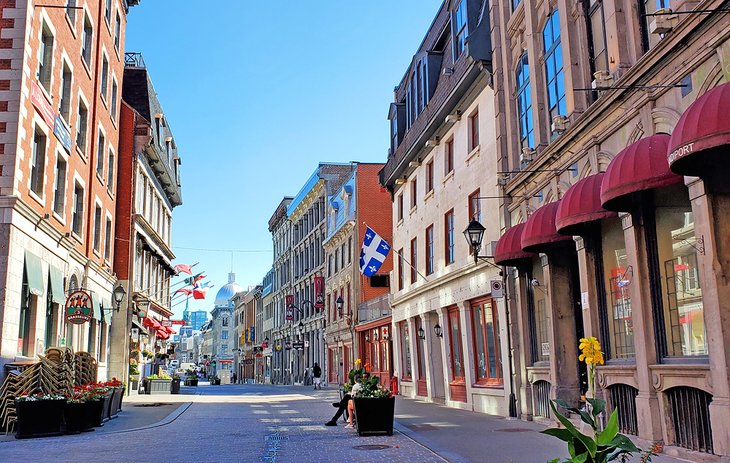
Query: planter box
x=40 y=418
x=175 y=386
x=77 y=417
x=215 y=382
x=191 y=382
x=115 y=405
x=374 y=416
x=106 y=407
x=157 y=386
x=96 y=412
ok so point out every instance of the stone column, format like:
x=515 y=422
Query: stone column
x=119 y=333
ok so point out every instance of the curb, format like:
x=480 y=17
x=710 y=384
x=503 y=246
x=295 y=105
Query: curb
x=164 y=422
x=419 y=439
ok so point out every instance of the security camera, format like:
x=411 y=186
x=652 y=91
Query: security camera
x=535 y=282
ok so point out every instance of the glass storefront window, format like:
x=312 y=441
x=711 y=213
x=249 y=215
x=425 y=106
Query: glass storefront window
x=617 y=279
x=540 y=316
x=457 y=357
x=406 y=340
x=486 y=343
x=420 y=351
x=684 y=321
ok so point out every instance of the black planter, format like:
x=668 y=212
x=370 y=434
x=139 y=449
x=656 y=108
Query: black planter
x=215 y=382
x=115 y=405
x=96 y=412
x=175 y=386
x=191 y=382
x=39 y=418
x=77 y=418
x=375 y=416
x=106 y=407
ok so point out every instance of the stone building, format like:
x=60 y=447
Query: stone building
x=611 y=119
x=222 y=331
x=59 y=116
x=280 y=228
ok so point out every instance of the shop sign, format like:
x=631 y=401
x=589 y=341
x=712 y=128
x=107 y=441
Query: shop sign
x=290 y=307
x=318 y=292
x=546 y=348
x=306 y=343
x=264 y=345
x=135 y=334
x=166 y=323
x=79 y=308
x=42 y=105
x=278 y=347
x=298 y=345
x=287 y=345
x=62 y=133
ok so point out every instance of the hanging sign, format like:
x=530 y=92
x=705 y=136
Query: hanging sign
x=135 y=334
x=290 y=307
x=42 y=105
x=79 y=308
x=319 y=293
x=497 y=288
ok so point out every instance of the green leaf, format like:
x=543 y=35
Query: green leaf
x=582 y=458
x=624 y=443
x=584 y=415
x=611 y=430
x=588 y=442
x=554 y=460
x=597 y=405
x=560 y=433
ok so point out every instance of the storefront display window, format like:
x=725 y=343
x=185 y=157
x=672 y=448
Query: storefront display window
x=406 y=348
x=617 y=277
x=486 y=343
x=684 y=322
x=420 y=351
x=457 y=356
x=540 y=317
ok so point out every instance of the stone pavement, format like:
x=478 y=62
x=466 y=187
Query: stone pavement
x=257 y=423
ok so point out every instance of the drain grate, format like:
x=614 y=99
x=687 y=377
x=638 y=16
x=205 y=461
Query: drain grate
x=513 y=430
x=275 y=437
x=155 y=404
x=371 y=447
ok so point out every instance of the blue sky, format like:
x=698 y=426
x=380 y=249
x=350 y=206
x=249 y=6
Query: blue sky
x=257 y=93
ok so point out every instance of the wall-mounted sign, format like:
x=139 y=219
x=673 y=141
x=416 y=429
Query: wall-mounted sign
x=42 y=105
x=290 y=307
x=166 y=323
x=298 y=345
x=287 y=345
x=62 y=133
x=545 y=348
x=497 y=288
x=79 y=308
x=318 y=292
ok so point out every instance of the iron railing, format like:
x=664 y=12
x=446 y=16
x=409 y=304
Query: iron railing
x=691 y=418
x=133 y=60
x=541 y=398
x=622 y=397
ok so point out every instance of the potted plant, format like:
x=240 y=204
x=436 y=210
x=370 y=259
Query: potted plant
x=158 y=384
x=214 y=380
x=191 y=379
x=133 y=375
x=39 y=415
x=374 y=408
x=77 y=415
x=115 y=405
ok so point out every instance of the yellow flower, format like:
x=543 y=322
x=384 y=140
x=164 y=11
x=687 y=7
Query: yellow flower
x=591 y=352
x=358 y=362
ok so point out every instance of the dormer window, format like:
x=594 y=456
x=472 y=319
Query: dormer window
x=461 y=29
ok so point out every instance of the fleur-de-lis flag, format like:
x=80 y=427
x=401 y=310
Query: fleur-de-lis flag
x=374 y=251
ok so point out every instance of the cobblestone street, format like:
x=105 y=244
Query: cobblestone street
x=247 y=423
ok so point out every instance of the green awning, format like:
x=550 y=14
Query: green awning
x=96 y=305
x=57 y=294
x=106 y=309
x=34 y=273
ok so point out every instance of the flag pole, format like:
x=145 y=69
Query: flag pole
x=399 y=255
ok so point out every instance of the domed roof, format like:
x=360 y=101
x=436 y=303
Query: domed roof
x=227 y=291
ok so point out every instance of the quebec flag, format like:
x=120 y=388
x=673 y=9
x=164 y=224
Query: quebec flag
x=374 y=251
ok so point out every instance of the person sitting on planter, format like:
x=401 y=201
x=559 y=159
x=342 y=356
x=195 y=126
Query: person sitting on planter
x=351 y=404
x=346 y=404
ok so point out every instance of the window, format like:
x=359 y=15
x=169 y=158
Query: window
x=100 y=154
x=65 y=105
x=77 y=218
x=81 y=126
x=400 y=269
x=224 y=322
x=110 y=172
x=457 y=354
x=474 y=130
x=45 y=57
x=414 y=259
x=59 y=191
x=394 y=133
x=108 y=11
x=104 y=76
x=406 y=349
x=349 y=250
x=108 y=239
x=475 y=208
x=460 y=28
x=97 y=228
x=515 y=4
x=449 y=236
x=414 y=191
x=538 y=316
x=597 y=35
x=224 y=334
x=618 y=296
x=87 y=42
x=449 y=156
x=524 y=104
x=488 y=366
x=38 y=163
x=117 y=31
x=429 y=250
x=400 y=206
x=71 y=10
x=555 y=80
x=429 y=176
x=650 y=7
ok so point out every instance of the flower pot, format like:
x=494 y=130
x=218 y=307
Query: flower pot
x=175 y=386
x=95 y=409
x=157 y=386
x=39 y=418
x=375 y=415
x=77 y=418
x=191 y=382
x=106 y=407
x=115 y=405
x=215 y=382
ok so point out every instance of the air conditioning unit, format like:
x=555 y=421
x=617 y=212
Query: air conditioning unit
x=601 y=80
x=526 y=155
x=663 y=22
x=560 y=124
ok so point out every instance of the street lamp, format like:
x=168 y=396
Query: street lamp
x=339 y=303
x=301 y=327
x=421 y=334
x=118 y=295
x=437 y=329
x=474 y=235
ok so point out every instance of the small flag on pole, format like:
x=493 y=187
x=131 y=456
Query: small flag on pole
x=184 y=268
x=374 y=251
x=186 y=291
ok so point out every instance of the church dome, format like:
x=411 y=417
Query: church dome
x=223 y=298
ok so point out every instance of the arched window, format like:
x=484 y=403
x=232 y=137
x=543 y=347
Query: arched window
x=524 y=104
x=554 y=77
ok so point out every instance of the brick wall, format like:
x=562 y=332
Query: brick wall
x=125 y=192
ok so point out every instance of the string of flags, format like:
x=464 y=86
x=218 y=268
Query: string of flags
x=193 y=284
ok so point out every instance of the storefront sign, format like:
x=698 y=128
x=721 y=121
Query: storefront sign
x=287 y=345
x=42 y=105
x=79 y=308
x=680 y=152
x=264 y=345
x=298 y=345
x=319 y=292
x=166 y=323
x=290 y=307
x=62 y=133
x=135 y=334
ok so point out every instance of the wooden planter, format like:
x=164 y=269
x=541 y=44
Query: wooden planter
x=77 y=417
x=375 y=416
x=157 y=386
x=39 y=418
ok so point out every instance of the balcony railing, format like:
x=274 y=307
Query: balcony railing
x=134 y=60
x=374 y=309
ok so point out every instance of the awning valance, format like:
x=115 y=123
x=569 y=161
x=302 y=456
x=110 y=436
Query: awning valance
x=96 y=305
x=640 y=166
x=58 y=296
x=700 y=141
x=34 y=274
x=151 y=323
x=581 y=205
x=540 y=233
x=162 y=334
x=509 y=247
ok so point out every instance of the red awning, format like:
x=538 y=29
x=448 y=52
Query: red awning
x=149 y=322
x=640 y=166
x=540 y=231
x=581 y=204
x=700 y=140
x=509 y=247
x=162 y=334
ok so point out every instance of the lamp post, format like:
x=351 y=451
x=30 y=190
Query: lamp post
x=118 y=295
x=474 y=235
x=438 y=330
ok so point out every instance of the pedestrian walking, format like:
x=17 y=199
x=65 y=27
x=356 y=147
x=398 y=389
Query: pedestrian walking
x=317 y=372
x=234 y=378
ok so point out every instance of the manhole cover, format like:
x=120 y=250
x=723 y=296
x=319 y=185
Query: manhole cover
x=513 y=430
x=371 y=447
x=421 y=427
x=156 y=404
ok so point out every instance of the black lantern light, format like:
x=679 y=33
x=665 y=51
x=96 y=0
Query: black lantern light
x=118 y=295
x=301 y=327
x=339 y=303
x=474 y=235
x=437 y=329
x=421 y=334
